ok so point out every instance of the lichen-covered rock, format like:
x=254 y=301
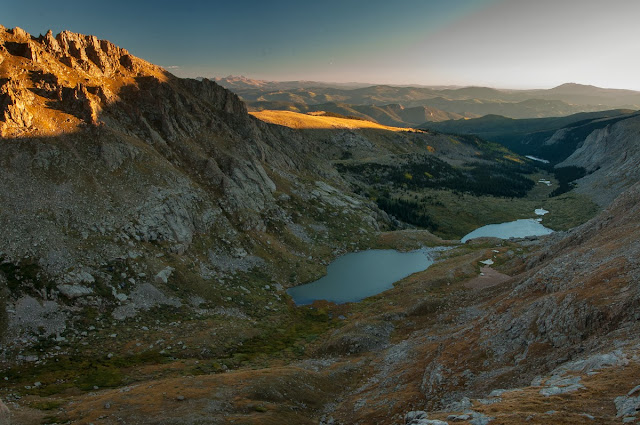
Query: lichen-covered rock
x=627 y=405
x=31 y=317
x=420 y=417
x=74 y=291
x=142 y=298
x=164 y=274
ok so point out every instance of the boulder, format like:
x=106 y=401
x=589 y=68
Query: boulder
x=163 y=275
x=74 y=291
x=419 y=417
x=627 y=406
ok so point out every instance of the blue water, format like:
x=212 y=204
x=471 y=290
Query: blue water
x=513 y=229
x=355 y=276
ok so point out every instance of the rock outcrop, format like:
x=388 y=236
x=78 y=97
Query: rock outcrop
x=14 y=101
x=612 y=160
x=96 y=57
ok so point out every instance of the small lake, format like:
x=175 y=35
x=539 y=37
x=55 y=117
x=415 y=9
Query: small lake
x=514 y=229
x=358 y=275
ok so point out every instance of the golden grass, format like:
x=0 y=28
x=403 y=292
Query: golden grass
x=305 y=121
x=513 y=158
x=268 y=396
x=596 y=399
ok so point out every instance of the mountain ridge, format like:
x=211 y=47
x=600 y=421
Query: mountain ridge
x=566 y=99
x=552 y=139
x=99 y=170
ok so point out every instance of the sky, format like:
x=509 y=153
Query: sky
x=497 y=43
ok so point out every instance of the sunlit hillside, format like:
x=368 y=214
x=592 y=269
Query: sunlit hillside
x=305 y=121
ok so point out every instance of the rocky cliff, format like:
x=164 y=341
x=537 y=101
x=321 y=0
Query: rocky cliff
x=120 y=181
x=612 y=160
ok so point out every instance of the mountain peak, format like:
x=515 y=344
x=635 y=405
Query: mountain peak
x=53 y=84
x=574 y=86
x=578 y=88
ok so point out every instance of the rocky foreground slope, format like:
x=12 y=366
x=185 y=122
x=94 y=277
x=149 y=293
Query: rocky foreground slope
x=555 y=343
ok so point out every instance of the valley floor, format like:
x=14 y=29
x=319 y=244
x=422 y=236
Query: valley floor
x=425 y=346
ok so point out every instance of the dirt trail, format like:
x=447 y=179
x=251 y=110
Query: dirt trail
x=488 y=278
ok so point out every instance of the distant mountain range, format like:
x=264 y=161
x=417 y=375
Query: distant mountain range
x=566 y=99
x=552 y=139
x=241 y=83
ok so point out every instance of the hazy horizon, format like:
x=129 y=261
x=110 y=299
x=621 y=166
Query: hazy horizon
x=508 y=44
x=369 y=83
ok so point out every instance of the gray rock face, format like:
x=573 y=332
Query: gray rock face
x=463 y=405
x=415 y=415
x=333 y=196
x=555 y=390
x=79 y=277
x=164 y=274
x=43 y=318
x=560 y=383
x=224 y=264
x=497 y=393
x=480 y=419
x=434 y=377
x=327 y=421
x=590 y=364
x=169 y=215
x=74 y=291
x=459 y=418
x=144 y=297
x=611 y=156
x=420 y=417
x=627 y=406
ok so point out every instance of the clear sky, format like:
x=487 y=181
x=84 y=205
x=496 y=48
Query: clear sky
x=499 y=43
